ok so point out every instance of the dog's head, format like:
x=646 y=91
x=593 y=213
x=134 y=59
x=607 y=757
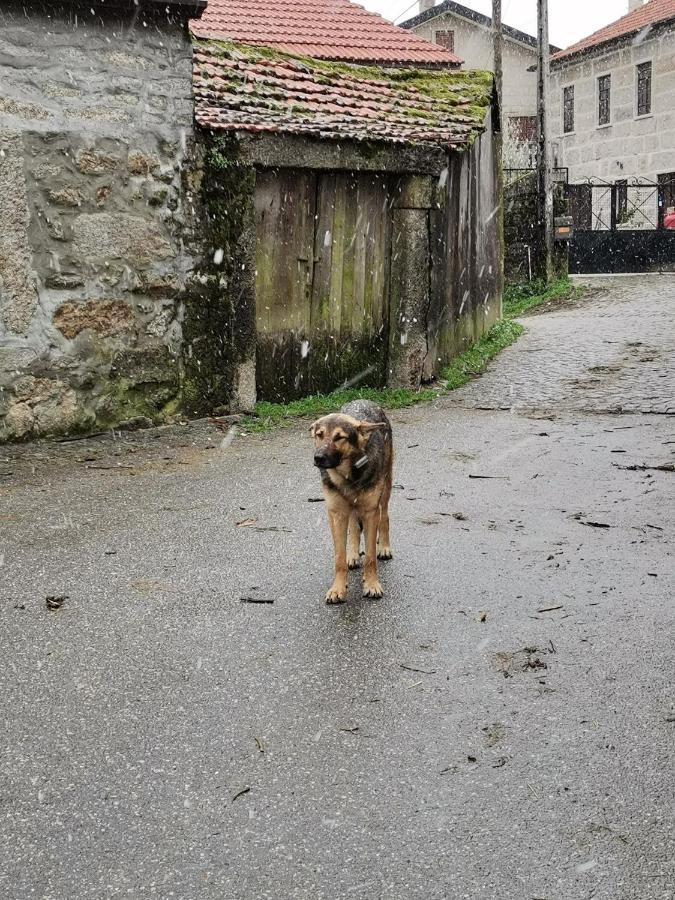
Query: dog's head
x=338 y=438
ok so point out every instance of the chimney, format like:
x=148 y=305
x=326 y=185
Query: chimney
x=634 y=4
x=429 y=4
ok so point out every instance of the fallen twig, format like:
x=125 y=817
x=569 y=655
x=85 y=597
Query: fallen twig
x=665 y=467
x=498 y=477
x=422 y=671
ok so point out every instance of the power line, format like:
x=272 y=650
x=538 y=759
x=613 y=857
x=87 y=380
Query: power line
x=400 y=15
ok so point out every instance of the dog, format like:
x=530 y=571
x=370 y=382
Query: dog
x=354 y=452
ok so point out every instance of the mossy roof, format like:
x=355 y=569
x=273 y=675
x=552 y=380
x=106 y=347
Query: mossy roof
x=243 y=88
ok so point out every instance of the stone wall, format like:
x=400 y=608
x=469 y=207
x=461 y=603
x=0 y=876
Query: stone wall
x=96 y=244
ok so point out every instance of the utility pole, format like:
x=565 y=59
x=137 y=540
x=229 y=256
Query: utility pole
x=497 y=43
x=544 y=185
x=497 y=48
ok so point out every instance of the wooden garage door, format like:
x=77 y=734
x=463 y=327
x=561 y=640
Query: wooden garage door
x=322 y=281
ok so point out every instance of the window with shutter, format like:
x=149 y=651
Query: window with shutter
x=445 y=39
x=568 y=109
x=604 y=97
x=644 y=85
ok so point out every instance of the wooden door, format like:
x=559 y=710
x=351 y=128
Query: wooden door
x=285 y=208
x=322 y=281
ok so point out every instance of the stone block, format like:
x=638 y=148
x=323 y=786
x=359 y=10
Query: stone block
x=145 y=365
x=157 y=285
x=19 y=420
x=95 y=162
x=416 y=192
x=46 y=171
x=409 y=297
x=100 y=237
x=66 y=197
x=141 y=163
x=22 y=110
x=60 y=281
x=102 y=194
x=18 y=285
x=105 y=317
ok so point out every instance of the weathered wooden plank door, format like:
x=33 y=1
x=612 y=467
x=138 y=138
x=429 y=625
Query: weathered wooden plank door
x=322 y=281
x=350 y=291
x=285 y=210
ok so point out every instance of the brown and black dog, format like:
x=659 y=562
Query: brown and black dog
x=354 y=451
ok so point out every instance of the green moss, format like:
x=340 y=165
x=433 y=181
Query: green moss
x=463 y=98
x=127 y=399
x=219 y=327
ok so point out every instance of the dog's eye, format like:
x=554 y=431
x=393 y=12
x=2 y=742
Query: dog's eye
x=319 y=434
x=340 y=437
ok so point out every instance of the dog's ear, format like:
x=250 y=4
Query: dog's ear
x=367 y=428
x=312 y=428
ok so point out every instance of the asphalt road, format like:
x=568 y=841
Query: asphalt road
x=500 y=725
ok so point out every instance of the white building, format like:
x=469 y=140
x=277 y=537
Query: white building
x=467 y=34
x=612 y=102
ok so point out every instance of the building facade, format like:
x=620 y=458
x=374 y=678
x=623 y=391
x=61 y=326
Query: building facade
x=467 y=34
x=612 y=102
x=189 y=224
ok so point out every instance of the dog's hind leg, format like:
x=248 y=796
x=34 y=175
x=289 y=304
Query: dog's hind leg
x=354 y=542
x=383 y=542
x=371 y=583
x=338 y=520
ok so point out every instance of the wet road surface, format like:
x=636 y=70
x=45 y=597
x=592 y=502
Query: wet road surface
x=500 y=725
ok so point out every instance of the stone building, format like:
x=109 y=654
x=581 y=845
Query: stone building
x=368 y=199
x=612 y=101
x=141 y=245
x=96 y=121
x=467 y=33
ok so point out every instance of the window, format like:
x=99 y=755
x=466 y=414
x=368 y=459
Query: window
x=568 y=109
x=604 y=90
x=446 y=39
x=644 y=88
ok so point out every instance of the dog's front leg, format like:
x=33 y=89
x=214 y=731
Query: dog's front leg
x=354 y=542
x=338 y=520
x=371 y=583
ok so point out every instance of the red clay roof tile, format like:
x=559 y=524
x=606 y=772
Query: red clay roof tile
x=323 y=29
x=241 y=88
x=652 y=13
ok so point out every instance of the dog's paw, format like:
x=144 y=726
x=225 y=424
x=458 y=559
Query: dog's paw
x=372 y=589
x=353 y=562
x=385 y=553
x=336 y=594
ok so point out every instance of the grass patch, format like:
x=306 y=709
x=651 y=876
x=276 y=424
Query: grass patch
x=474 y=361
x=272 y=415
x=520 y=298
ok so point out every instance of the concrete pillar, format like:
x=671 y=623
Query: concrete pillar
x=410 y=282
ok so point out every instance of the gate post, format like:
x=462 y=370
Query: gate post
x=613 y=210
x=409 y=295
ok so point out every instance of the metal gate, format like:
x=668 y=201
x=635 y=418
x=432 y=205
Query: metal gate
x=619 y=227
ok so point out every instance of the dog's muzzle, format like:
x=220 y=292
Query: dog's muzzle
x=325 y=460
